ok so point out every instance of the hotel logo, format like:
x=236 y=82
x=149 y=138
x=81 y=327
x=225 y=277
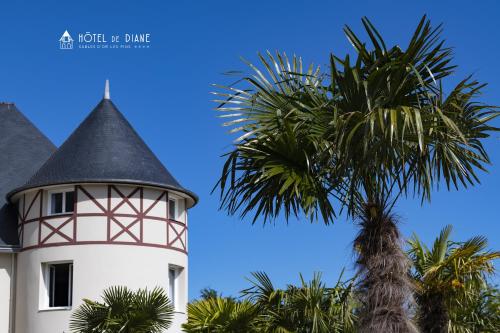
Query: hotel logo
x=66 y=42
x=100 y=40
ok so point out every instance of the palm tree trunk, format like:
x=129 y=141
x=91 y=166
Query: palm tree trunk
x=385 y=285
x=434 y=315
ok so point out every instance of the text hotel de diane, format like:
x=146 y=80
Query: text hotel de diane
x=101 y=40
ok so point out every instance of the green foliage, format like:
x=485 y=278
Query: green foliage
x=124 y=311
x=310 y=307
x=361 y=131
x=370 y=128
x=274 y=165
x=451 y=279
x=207 y=293
x=482 y=313
x=221 y=315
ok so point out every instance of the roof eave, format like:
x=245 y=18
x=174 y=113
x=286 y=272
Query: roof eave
x=10 y=249
x=194 y=198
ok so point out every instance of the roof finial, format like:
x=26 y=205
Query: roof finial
x=106 y=90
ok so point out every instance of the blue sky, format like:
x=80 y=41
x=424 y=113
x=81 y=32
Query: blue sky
x=164 y=92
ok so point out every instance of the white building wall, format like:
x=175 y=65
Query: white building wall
x=95 y=267
x=7 y=261
x=102 y=252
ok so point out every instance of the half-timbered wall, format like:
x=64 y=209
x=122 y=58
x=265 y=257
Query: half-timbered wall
x=117 y=235
x=104 y=214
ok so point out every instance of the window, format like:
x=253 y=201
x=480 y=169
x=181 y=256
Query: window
x=61 y=202
x=172 y=277
x=172 y=209
x=172 y=284
x=58 y=283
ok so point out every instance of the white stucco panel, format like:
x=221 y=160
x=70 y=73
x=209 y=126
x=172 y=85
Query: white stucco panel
x=30 y=234
x=92 y=228
x=155 y=203
x=32 y=205
x=87 y=205
x=6 y=266
x=155 y=232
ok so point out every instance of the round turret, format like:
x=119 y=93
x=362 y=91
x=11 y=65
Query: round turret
x=101 y=211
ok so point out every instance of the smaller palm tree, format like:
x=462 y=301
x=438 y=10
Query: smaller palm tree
x=310 y=307
x=216 y=314
x=450 y=278
x=124 y=311
x=207 y=293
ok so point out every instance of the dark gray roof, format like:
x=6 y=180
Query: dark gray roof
x=23 y=149
x=105 y=148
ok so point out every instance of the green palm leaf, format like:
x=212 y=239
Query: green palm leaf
x=124 y=311
x=373 y=127
x=450 y=277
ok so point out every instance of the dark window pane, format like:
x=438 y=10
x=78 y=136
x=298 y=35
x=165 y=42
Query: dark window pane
x=171 y=210
x=171 y=284
x=70 y=285
x=70 y=202
x=56 y=203
x=52 y=271
x=60 y=285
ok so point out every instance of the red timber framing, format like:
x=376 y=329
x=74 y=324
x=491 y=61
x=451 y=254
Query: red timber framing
x=176 y=232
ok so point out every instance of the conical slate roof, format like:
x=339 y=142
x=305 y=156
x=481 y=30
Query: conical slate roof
x=23 y=149
x=105 y=149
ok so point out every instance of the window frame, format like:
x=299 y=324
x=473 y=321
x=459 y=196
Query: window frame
x=45 y=286
x=176 y=208
x=174 y=285
x=63 y=191
x=180 y=208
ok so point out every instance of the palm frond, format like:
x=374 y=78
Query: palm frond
x=124 y=310
x=374 y=126
x=450 y=277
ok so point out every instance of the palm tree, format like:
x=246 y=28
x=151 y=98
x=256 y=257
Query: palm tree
x=207 y=293
x=357 y=136
x=124 y=311
x=451 y=277
x=310 y=307
x=221 y=315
